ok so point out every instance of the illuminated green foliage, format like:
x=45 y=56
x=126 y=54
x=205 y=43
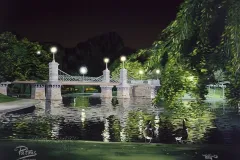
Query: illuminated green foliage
x=202 y=40
x=19 y=59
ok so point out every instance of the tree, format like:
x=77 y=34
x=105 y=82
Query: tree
x=133 y=64
x=200 y=41
x=19 y=59
x=133 y=69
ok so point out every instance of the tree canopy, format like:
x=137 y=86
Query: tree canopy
x=19 y=59
x=202 y=40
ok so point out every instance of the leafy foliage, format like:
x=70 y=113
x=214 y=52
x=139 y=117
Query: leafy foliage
x=133 y=70
x=202 y=40
x=19 y=59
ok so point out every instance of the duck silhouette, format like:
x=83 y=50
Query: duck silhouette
x=148 y=132
x=181 y=134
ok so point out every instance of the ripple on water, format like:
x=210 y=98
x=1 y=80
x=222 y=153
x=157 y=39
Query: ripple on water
x=119 y=120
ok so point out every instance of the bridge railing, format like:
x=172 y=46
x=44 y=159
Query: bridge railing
x=80 y=78
x=114 y=79
x=63 y=76
x=149 y=81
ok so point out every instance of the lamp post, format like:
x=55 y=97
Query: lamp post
x=53 y=51
x=157 y=72
x=83 y=70
x=123 y=59
x=141 y=73
x=106 y=60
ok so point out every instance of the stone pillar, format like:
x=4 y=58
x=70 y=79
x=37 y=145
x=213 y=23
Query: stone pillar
x=3 y=87
x=54 y=91
x=123 y=76
x=106 y=91
x=106 y=75
x=38 y=91
x=123 y=90
x=53 y=71
x=145 y=91
x=53 y=86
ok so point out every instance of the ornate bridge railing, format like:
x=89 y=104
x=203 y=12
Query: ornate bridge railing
x=149 y=81
x=134 y=81
x=114 y=79
x=62 y=76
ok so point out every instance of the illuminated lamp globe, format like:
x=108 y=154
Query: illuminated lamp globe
x=83 y=70
x=106 y=60
x=123 y=58
x=53 y=50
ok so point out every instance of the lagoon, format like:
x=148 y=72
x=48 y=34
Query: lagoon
x=120 y=120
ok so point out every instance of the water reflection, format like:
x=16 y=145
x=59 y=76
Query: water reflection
x=122 y=120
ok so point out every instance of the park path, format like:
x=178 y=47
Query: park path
x=17 y=105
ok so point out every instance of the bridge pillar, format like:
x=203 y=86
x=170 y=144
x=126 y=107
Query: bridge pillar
x=123 y=90
x=53 y=86
x=38 y=91
x=3 y=87
x=145 y=91
x=106 y=75
x=106 y=91
x=54 y=91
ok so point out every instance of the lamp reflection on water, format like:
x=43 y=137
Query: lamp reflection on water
x=140 y=126
x=83 y=115
x=105 y=134
x=157 y=120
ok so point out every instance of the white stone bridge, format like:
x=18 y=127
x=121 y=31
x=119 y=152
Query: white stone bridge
x=51 y=89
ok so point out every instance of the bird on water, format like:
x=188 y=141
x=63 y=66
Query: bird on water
x=181 y=134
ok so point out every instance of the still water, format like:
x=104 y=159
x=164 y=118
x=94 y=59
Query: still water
x=115 y=120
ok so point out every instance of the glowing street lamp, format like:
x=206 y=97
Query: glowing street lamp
x=53 y=51
x=38 y=52
x=123 y=59
x=157 y=72
x=106 y=60
x=83 y=70
x=141 y=73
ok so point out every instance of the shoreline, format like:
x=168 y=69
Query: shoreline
x=92 y=150
x=17 y=105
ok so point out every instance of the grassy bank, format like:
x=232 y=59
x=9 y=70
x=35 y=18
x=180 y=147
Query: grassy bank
x=4 y=98
x=81 y=150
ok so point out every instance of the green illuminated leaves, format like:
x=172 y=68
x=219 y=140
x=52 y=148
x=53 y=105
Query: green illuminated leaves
x=18 y=59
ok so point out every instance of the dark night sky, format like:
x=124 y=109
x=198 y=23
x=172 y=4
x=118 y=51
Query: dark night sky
x=68 y=22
